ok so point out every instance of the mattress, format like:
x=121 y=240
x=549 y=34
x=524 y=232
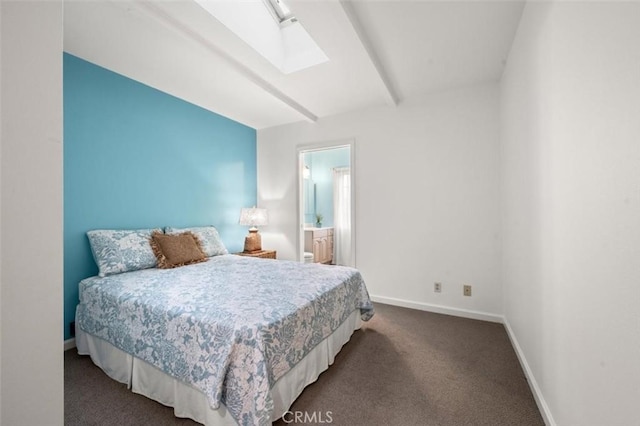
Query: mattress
x=230 y=328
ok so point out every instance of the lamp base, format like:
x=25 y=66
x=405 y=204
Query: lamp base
x=252 y=242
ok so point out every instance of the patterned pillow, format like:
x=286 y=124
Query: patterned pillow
x=117 y=251
x=176 y=249
x=208 y=236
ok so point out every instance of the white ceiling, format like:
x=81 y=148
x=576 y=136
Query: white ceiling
x=380 y=52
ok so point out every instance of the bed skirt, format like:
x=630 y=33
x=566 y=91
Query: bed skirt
x=145 y=379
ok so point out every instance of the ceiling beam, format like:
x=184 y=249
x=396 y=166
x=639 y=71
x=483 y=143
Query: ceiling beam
x=390 y=95
x=242 y=69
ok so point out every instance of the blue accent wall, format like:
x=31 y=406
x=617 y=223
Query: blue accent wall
x=135 y=157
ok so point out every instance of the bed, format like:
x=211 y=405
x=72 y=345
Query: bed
x=232 y=340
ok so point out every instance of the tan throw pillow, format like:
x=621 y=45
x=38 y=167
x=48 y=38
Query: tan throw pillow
x=176 y=250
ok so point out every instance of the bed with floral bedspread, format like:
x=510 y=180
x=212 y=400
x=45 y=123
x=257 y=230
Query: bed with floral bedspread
x=230 y=327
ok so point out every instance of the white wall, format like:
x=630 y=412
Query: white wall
x=427 y=204
x=570 y=113
x=31 y=216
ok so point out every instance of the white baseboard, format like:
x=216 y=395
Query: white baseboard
x=69 y=344
x=439 y=309
x=533 y=384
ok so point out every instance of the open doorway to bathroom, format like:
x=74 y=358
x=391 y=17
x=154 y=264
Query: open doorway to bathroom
x=327 y=207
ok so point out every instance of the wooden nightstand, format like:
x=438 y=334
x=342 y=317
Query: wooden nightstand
x=265 y=254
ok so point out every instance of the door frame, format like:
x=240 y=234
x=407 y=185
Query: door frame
x=323 y=146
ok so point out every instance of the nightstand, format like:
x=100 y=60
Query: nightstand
x=265 y=254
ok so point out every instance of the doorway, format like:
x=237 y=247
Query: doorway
x=326 y=207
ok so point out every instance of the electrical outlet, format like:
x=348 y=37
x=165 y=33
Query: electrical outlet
x=466 y=290
x=437 y=287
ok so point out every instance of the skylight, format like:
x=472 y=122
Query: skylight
x=270 y=28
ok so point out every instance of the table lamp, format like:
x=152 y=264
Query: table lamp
x=253 y=217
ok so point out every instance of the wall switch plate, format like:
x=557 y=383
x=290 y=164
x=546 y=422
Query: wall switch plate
x=437 y=287
x=466 y=290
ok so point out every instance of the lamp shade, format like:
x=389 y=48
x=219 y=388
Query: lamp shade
x=253 y=217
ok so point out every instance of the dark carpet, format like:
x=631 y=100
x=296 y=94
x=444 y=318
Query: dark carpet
x=404 y=367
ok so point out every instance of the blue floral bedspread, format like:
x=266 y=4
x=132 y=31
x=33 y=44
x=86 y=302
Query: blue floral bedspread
x=230 y=327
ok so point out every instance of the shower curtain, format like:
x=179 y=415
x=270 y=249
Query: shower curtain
x=342 y=216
